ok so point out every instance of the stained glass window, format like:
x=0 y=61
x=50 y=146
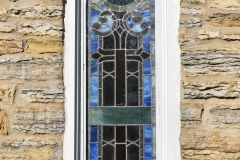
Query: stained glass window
x=121 y=68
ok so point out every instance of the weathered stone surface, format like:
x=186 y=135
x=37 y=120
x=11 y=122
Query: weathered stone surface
x=43 y=45
x=185 y=39
x=232 y=36
x=9 y=46
x=190 y=23
x=39 y=11
x=194 y=1
x=31 y=148
x=192 y=10
x=3 y=122
x=225 y=19
x=47 y=94
x=38 y=120
x=225 y=5
x=207 y=141
x=225 y=116
x=191 y=115
x=7 y=28
x=211 y=61
x=208 y=34
x=7 y=93
x=220 y=90
x=41 y=29
x=3 y=14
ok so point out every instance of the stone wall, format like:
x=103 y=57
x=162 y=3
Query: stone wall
x=209 y=36
x=31 y=79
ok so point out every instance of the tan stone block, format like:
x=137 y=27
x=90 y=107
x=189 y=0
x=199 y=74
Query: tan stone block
x=7 y=28
x=224 y=19
x=43 y=45
x=208 y=34
x=7 y=94
x=231 y=36
x=190 y=23
x=3 y=14
x=194 y=1
x=192 y=10
x=3 y=122
x=10 y=46
x=186 y=39
x=225 y=4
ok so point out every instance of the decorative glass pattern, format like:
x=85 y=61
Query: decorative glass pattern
x=121 y=99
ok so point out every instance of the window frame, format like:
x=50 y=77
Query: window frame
x=168 y=69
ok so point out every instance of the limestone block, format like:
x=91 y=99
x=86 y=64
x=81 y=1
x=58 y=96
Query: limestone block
x=194 y=1
x=40 y=28
x=224 y=19
x=46 y=94
x=185 y=39
x=3 y=14
x=40 y=11
x=38 y=120
x=191 y=115
x=221 y=61
x=225 y=5
x=43 y=45
x=190 y=23
x=232 y=37
x=214 y=89
x=3 y=122
x=208 y=34
x=7 y=93
x=7 y=28
x=192 y=10
x=10 y=46
x=225 y=116
x=31 y=148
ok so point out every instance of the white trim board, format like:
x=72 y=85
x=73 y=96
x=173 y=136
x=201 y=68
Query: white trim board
x=167 y=80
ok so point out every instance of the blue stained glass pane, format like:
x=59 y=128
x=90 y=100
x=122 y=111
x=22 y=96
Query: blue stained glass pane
x=147 y=152
x=130 y=23
x=137 y=28
x=94 y=134
x=94 y=67
x=147 y=90
x=104 y=28
x=94 y=90
x=102 y=6
x=109 y=21
x=147 y=67
x=147 y=134
x=94 y=16
x=93 y=151
x=146 y=42
x=146 y=16
x=94 y=43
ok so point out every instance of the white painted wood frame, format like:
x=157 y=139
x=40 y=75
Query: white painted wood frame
x=167 y=80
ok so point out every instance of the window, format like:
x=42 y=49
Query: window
x=167 y=87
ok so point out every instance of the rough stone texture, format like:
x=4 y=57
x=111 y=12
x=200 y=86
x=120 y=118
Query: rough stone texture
x=225 y=116
x=194 y=1
x=225 y=5
x=191 y=115
x=219 y=61
x=31 y=148
x=40 y=11
x=193 y=11
x=232 y=37
x=3 y=122
x=210 y=145
x=208 y=34
x=186 y=39
x=189 y=23
x=214 y=89
x=225 y=19
x=46 y=94
x=7 y=28
x=7 y=93
x=3 y=14
x=43 y=45
x=38 y=120
x=40 y=28
x=10 y=46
